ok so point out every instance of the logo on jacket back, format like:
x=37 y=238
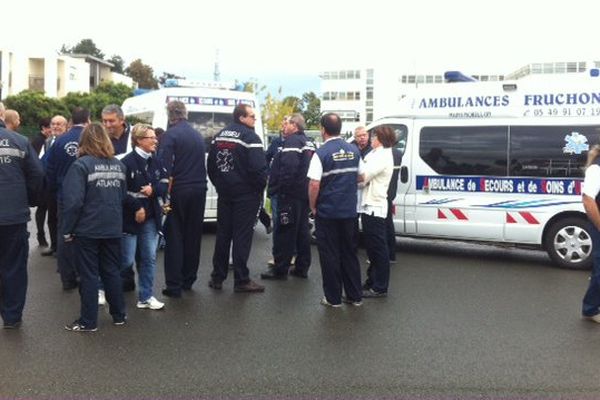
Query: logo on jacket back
x=71 y=148
x=342 y=155
x=225 y=160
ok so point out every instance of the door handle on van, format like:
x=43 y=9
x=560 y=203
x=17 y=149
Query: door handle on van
x=403 y=174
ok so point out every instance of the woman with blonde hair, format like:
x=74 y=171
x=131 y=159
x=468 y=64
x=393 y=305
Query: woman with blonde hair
x=146 y=182
x=94 y=190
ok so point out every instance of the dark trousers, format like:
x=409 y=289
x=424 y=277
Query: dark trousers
x=374 y=232
x=293 y=238
x=65 y=254
x=99 y=259
x=390 y=232
x=337 y=241
x=183 y=234
x=264 y=217
x=14 y=249
x=50 y=208
x=591 y=300
x=236 y=219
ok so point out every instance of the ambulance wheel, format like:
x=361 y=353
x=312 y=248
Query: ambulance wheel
x=569 y=244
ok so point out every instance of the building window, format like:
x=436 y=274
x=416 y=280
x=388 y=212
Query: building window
x=411 y=79
x=357 y=95
x=369 y=117
x=326 y=96
x=334 y=75
x=369 y=93
x=342 y=74
x=571 y=67
x=581 y=66
x=357 y=74
x=350 y=74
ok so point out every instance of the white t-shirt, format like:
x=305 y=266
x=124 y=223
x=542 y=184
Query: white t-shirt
x=591 y=183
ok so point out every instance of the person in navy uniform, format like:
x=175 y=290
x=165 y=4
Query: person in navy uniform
x=146 y=183
x=391 y=195
x=60 y=157
x=94 y=191
x=590 y=308
x=182 y=154
x=288 y=182
x=237 y=168
x=21 y=179
x=117 y=128
x=333 y=175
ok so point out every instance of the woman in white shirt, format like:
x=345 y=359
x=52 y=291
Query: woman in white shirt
x=591 y=202
x=376 y=173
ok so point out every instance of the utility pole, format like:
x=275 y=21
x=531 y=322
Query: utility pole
x=216 y=73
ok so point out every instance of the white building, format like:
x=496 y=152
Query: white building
x=55 y=75
x=363 y=95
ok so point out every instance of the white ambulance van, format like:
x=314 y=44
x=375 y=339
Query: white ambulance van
x=210 y=108
x=498 y=162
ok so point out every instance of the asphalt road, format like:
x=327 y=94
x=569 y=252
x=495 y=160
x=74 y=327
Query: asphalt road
x=461 y=321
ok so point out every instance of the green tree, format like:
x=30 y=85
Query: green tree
x=311 y=110
x=143 y=74
x=85 y=46
x=273 y=111
x=33 y=106
x=294 y=102
x=119 y=64
x=117 y=92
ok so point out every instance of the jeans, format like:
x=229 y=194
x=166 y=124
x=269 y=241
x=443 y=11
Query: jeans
x=591 y=300
x=146 y=240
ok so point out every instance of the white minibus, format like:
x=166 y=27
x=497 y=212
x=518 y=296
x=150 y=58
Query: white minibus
x=498 y=162
x=210 y=109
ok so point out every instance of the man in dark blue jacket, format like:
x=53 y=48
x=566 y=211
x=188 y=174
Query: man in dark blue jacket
x=237 y=168
x=21 y=179
x=288 y=182
x=60 y=157
x=182 y=154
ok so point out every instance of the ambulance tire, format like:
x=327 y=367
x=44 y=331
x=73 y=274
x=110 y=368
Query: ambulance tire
x=569 y=244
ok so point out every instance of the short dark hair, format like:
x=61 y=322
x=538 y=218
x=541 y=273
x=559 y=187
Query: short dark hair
x=241 y=110
x=385 y=135
x=44 y=123
x=80 y=115
x=176 y=111
x=332 y=123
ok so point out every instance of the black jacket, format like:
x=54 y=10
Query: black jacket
x=183 y=155
x=21 y=178
x=289 y=167
x=236 y=162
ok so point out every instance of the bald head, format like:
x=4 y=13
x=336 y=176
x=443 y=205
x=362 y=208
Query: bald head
x=12 y=119
x=58 y=125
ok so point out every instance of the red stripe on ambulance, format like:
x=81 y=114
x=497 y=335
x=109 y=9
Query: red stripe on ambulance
x=521 y=217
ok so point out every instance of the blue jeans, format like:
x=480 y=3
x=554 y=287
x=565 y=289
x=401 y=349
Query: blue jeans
x=591 y=300
x=146 y=240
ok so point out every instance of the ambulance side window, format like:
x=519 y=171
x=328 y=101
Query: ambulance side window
x=209 y=124
x=471 y=150
x=401 y=132
x=550 y=151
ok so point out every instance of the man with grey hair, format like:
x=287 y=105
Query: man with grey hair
x=362 y=141
x=289 y=184
x=182 y=154
x=117 y=128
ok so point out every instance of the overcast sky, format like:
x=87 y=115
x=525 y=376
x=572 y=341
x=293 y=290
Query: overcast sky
x=281 y=41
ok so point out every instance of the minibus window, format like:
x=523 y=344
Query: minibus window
x=472 y=150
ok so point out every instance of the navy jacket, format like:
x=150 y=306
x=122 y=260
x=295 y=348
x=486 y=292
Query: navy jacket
x=183 y=155
x=140 y=173
x=21 y=177
x=236 y=162
x=274 y=148
x=289 y=168
x=94 y=191
x=60 y=157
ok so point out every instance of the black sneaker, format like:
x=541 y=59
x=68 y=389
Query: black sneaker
x=70 y=285
x=12 y=325
x=298 y=274
x=355 y=303
x=120 y=321
x=77 y=326
x=272 y=275
x=173 y=293
x=370 y=293
x=215 y=285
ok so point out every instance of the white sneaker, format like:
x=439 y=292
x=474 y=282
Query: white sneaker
x=151 y=304
x=101 y=298
x=328 y=304
x=594 y=318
